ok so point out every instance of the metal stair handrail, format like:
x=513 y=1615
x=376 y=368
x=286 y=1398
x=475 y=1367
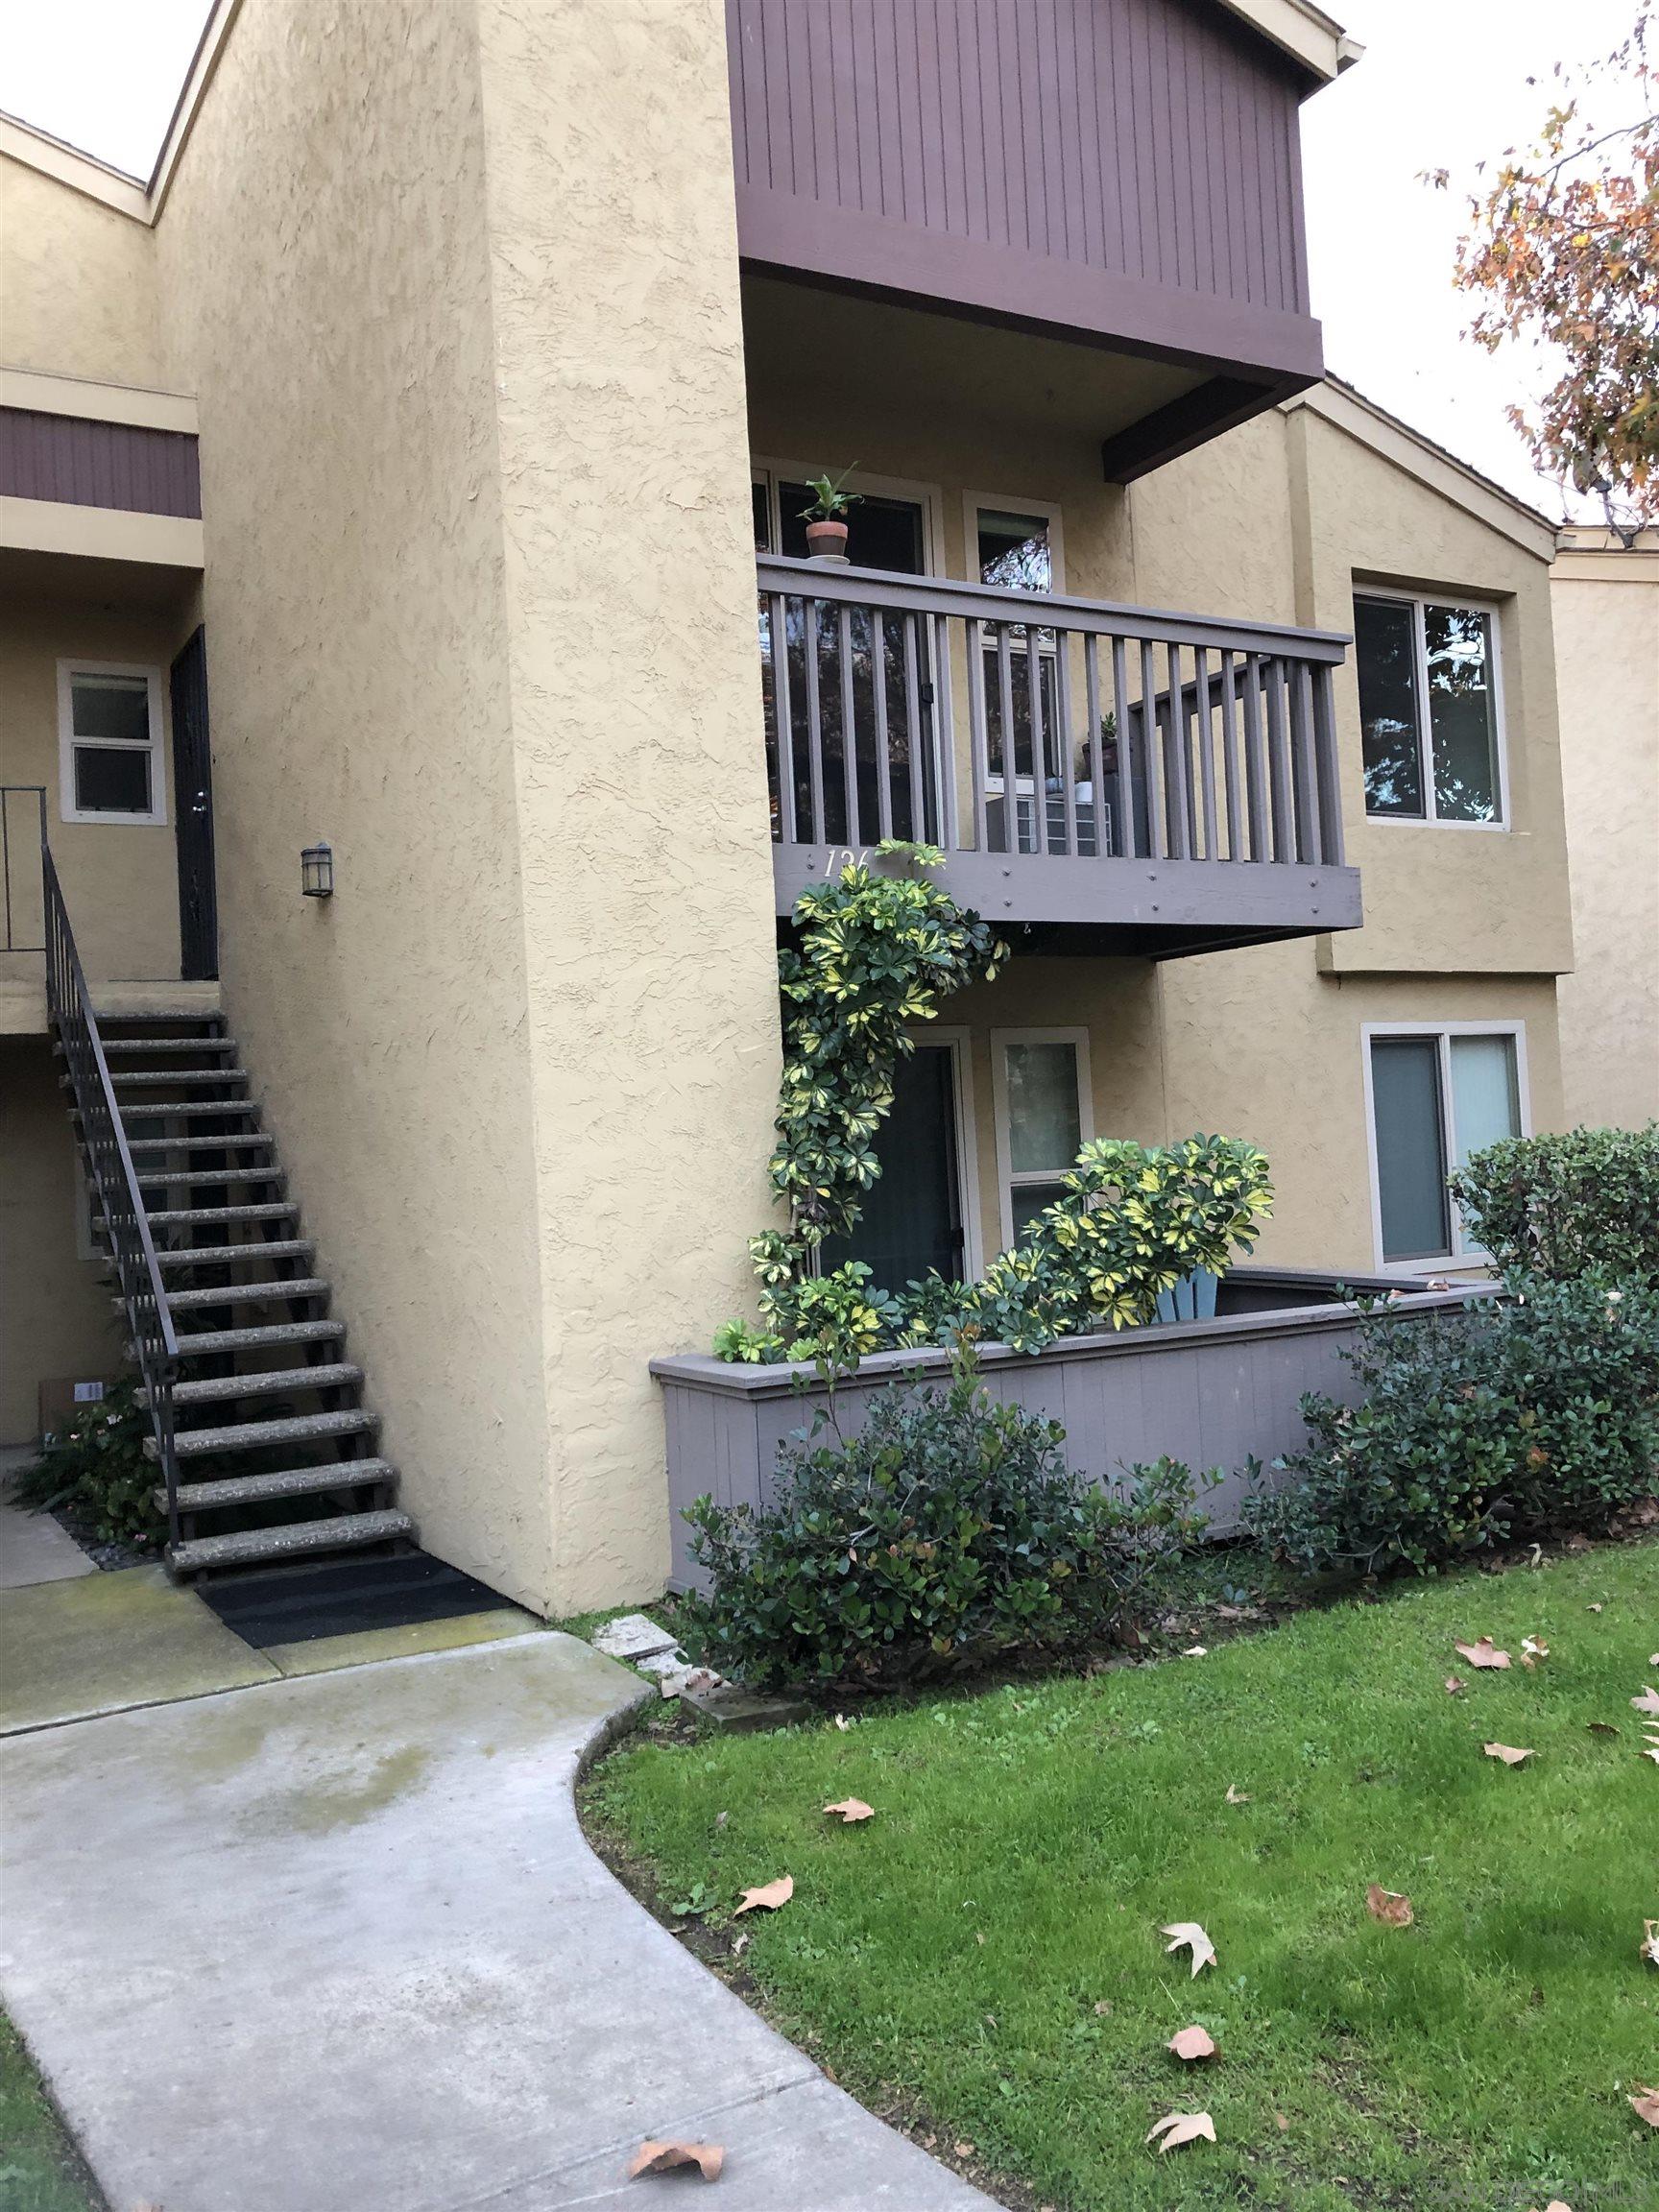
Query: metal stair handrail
x=69 y=1004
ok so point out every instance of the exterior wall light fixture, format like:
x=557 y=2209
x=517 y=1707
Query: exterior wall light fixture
x=317 y=870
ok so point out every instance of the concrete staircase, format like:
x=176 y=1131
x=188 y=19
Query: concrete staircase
x=276 y=1449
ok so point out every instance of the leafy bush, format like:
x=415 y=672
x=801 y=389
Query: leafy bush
x=95 y=1467
x=1586 y=1203
x=1512 y=1417
x=948 y=1529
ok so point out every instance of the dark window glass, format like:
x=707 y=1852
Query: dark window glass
x=762 y=518
x=1462 y=716
x=110 y=779
x=112 y=706
x=1385 y=653
x=1027 y=1200
x=911 y=1217
x=880 y=532
x=1013 y=551
x=1411 y=1147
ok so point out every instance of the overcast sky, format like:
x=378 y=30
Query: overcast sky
x=1443 y=83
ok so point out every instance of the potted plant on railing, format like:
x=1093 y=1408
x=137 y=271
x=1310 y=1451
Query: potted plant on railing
x=826 y=518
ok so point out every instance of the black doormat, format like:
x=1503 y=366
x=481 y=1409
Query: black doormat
x=343 y=1598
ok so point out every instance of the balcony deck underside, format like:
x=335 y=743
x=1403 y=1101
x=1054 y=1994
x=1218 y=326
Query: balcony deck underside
x=1123 y=909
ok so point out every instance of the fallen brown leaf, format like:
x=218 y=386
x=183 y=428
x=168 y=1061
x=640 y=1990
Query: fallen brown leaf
x=1189 y=1932
x=1281 y=2122
x=1507 y=1752
x=1556 y=2205
x=1455 y=1685
x=852 y=1809
x=1482 y=1653
x=1648 y=1701
x=1236 y=1796
x=769 y=1896
x=1644 y=2104
x=842 y=1722
x=1388 y=1906
x=663 y=2157
x=1652 y=1752
x=1601 y=1727
x=1193 y=2042
x=1196 y=1651
x=1532 y=1649
x=1183 y=2127
x=1653 y=1658
x=1592 y=1608
x=1649 y=1946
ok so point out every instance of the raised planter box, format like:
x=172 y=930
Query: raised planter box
x=1215 y=1393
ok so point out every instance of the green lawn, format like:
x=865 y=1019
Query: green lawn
x=39 y=2169
x=985 y=1952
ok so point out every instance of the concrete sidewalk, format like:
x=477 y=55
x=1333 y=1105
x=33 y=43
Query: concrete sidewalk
x=336 y=1944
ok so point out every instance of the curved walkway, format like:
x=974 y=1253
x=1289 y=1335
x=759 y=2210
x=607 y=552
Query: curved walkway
x=337 y=1944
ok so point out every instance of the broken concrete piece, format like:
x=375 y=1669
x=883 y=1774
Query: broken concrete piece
x=680 y=1679
x=673 y=1661
x=632 y=1636
x=740 y=1712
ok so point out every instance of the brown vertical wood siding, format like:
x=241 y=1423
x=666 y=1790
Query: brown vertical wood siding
x=1082 y=161
x=98 y=464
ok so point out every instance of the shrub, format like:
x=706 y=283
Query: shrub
x=948 y=1529
x=1517 y=1416
x=96 y=1468
x=1586 y=1203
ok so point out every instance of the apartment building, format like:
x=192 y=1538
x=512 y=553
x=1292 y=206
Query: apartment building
x=410 y=638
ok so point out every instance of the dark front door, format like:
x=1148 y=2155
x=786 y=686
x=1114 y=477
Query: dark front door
x=912 y=1219
x=193 y=799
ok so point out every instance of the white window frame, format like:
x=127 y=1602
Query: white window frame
x=768 y=470
x=1007 y=1181
x=68 y=811
x=1464 y=1250
x=1418 y=602
x=1006 y=503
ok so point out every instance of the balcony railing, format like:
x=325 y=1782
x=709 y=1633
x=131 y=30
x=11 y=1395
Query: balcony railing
x=1163 y=781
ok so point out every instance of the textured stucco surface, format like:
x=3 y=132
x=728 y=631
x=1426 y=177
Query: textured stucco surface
x=120 y=878
x=640 y=780
x=76 y=283
x=56 y=1319
x=327 y=284
x=1607 y=604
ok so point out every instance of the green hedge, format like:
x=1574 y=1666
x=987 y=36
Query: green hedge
x=1586 y=1203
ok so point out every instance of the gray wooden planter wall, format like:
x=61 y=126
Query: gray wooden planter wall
x=1213 y=1393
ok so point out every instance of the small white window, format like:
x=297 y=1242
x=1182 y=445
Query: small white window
x=1430 y=710
x=1434 y=1096
x=1044 y=1117
x=110 y=742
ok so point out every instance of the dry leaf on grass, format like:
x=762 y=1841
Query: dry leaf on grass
x=1484 y=1652
x=1648 y=1701
x=1455 y=1685
x=1652 y=1752
x=1507 y=1752
x=663 y=2157
x=1193 y=2043
x=1236 y=1796
x=1196 y=1651
x=1644 y=2104
x=1601 y=1727
x=1183 y=2127
x=1388 y=1906
x=1532 y=1649
x=842 y=1722
x=1189 y=1932
x=1653 y=1658
x=1281 y=2121
x=852 y=1809
x=769 y=1896
x=1649 y=1946
x=1556 y=2204
x=1592 y=1608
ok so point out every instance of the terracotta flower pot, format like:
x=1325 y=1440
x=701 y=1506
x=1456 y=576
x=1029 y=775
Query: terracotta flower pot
x=827 y=538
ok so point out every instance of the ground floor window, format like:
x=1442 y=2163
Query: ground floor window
x=1435 y=1096
x=1041 y=1081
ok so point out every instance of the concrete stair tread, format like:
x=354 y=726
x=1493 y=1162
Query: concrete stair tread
x=256 y=1435
x=242 y=1142
x=228 y=1255
x=221 y=1389
x=155 y=1107
x=123 y=1044
x=208 y=1178
x=206 y=1342
x=261 y=1293
x=130 y=1078
x=344 y=1532
x=272 y=1209
x=284 y=1482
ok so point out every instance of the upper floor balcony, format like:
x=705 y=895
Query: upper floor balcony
x=1123 y=173
x=1112 y=779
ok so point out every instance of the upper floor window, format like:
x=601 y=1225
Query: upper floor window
x=1016 y=551
x=1429 y=710
x=110 y=742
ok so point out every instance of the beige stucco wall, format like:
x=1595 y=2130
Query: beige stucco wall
x=76 y=283
x=638 y=746
x=56 y=1319
x=120 y=880
x=1607 y=608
